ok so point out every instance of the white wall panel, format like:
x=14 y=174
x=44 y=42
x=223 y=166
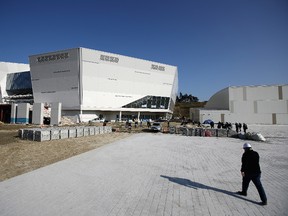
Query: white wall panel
x=243 y=106
x=281 y=118
x=124 y=61
x=272 y=106
x=252 y=118
x=285 y=92
x=56 y=80
x=262 y=93
x=214 y=115
x=112 y=75
x=236 y=93
x=107 y=100
x=130 y=79
x=65 y=97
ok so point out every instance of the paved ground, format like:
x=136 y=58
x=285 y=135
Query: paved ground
x=152 y=174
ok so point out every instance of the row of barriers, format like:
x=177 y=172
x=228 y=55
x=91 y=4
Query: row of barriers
x=208 y=132
x=55 y=133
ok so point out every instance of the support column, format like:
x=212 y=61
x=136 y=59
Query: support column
x=120 y=116
x=13 y=113
x=37 y=113
x=23 y=113
x=138 y=116
x=56 y=113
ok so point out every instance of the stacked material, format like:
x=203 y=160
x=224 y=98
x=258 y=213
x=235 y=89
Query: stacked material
x=208 y=132
x=54 y=133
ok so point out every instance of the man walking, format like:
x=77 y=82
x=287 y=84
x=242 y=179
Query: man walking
x=250 y=170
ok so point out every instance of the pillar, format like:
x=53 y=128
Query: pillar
x=13 y=113
x=23 y=113
x=37 y=114
x=56 y=113
x=120 y=116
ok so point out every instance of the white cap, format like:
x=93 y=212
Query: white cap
x=246 y=145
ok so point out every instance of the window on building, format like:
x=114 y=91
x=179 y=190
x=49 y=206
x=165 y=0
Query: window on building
x=151 y=102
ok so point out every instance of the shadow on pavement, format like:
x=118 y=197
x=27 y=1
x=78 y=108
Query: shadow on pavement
x=196 y=186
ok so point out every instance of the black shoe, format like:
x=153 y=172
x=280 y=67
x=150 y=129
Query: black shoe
x=241 y=193
x=263 y=203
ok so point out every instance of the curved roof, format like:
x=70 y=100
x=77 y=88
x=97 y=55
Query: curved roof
x=219 y=101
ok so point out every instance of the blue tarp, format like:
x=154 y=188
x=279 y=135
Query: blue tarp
x=208 y=121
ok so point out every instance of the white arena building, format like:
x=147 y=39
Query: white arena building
x=92 y=84
x=249 y=104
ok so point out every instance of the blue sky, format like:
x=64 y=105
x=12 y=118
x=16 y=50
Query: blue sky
x=214 y=43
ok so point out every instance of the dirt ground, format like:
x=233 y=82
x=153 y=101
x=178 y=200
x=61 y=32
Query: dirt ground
x=20 y=156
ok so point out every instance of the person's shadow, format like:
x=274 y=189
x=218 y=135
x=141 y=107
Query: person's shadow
x=196 y=186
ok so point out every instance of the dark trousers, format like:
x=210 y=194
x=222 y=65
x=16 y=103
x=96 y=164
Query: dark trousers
x=257 y=182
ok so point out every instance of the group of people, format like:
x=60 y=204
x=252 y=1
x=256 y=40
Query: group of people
x=226 y=125
x=128 y=123
x=239 y=127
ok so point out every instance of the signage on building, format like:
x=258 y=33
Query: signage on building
x=53 y=57
x=157 y=67
x=109 y=58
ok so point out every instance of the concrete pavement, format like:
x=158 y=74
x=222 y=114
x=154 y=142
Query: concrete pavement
x=152 y=174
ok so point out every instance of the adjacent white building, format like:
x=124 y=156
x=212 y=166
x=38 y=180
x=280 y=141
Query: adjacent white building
x=11 y=80
x=250 y=104
x=91 y=83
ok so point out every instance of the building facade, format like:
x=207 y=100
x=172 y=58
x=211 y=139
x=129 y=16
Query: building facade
x=15 y=87
x=15 y=82
x=249 y=104
x=91 y=84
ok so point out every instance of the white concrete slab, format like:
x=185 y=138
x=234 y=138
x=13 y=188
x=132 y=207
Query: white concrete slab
x=153 y=174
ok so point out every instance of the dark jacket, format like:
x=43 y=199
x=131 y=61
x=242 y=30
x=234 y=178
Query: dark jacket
x=250 y=162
